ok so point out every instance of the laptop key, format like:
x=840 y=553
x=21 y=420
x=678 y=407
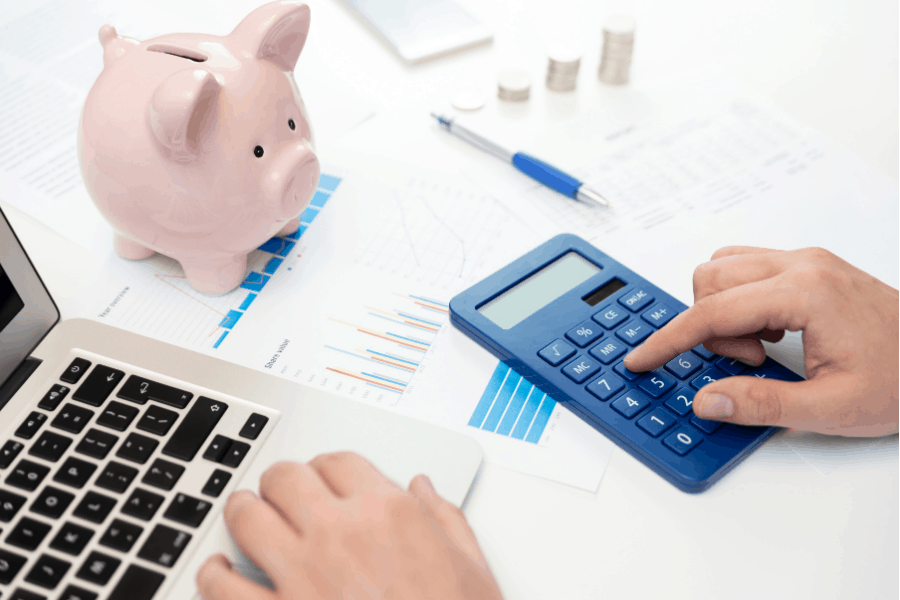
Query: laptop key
x=98 y=385
x=27 y=475
x=235 y=455
x=50 y=446
x=52 y=502
x=94 y=507
x=53 y=398
x=28 y=534
x=163 y=474
x=187 y=510
x=217 y=448
x=31 y=425
x=96 y=444
x=72 y=539
x=117 y=416
x=139 y=390
x=75 y=472
x=121 y=535
x=47 y=572
x=72 y=418
x=195 y=428
x=142 y=504
x=164 y=545
x=9 y=505
x=98 y=568
x=9 y=452
x=137 y=448
x=75 y=371
x=20 y=594
x=73 y=592
x=157 y=420
x=254 y=426
x=116 y=477
x=10 y=565
x=137 y=583
x=216 y=483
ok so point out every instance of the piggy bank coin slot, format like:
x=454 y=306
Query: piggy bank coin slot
x=187 y=53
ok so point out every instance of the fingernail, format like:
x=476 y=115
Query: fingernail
x=715 y=406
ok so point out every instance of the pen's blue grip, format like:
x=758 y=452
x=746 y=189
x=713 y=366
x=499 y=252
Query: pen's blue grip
x=546 y=174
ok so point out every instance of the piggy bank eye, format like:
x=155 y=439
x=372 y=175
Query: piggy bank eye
x=291 y=124
x=258 y=152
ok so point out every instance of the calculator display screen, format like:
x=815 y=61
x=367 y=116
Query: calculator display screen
x=529 y=296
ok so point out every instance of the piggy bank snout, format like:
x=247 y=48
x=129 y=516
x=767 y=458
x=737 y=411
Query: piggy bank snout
x=291 y=181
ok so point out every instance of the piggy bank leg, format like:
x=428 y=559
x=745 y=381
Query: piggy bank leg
x=127 y=248
x=290 y=227
x=215 y=276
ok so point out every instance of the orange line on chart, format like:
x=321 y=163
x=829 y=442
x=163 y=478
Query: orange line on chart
x=375 y=381
x=431 y=306
x=393 y=364
x=378 y=335
x=419 y=325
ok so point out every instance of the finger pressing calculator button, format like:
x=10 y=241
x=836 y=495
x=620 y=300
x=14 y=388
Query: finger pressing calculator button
x=705 y=425
x=608 y=350
x=623 y=371
x=682 y=403
x=557 y=352
x=606 y=386
x=659 y=315
x=581 y=368
x=732 y=366
x=636 y=299
x=703 y=353
x=634 y=333
x=710 y=375
x=610 y=316
x=656 y=422
x=584 y=334
x=657 y=384
x=630 y=404
x=684 y=365
x=772 y=370
x=683 y=440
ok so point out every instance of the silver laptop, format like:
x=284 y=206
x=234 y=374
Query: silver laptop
x=118 y=452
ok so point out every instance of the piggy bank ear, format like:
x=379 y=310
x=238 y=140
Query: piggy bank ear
x=275 y=32
x=182 y=112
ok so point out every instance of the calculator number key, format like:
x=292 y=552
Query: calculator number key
x=710 y=375
x=634 y=333
x=630 y=404
x=636 y=300
x=606 y=386
x=705 y=425
x=657 y=384
x=656 y=422
x=610 y=317
x=557 y=352
x=684 y=365
x=682 y=403
x=625 y=373
x=584 y=334
x=581 y=368
x=659 y=315
x=683 y=440
x=608 y=351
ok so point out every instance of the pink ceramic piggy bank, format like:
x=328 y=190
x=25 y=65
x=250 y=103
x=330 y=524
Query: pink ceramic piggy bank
x=199 y=146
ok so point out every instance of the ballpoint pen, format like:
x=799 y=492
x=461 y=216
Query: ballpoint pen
x=546 y=174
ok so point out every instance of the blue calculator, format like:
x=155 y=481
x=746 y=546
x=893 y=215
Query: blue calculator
x=564 y=316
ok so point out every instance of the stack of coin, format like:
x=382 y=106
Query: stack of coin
x=562 y=69
x=618 y=43
x=513 y=86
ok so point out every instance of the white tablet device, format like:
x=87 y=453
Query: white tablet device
x=422 y=29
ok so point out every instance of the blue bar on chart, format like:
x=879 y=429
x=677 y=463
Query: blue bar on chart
x=273 y=265
x=255 y=281
x=511 y=406
x=328 y=182
x=319 y=199
x=231 y=319
x=247 y=301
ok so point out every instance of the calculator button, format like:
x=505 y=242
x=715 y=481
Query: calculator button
x=253 y=426
x=52 y=398
x=656 y=422
x=682 y=403
x=52 y=502
x=630 y=404
x=72 y=539
x=705 y=425
x=75 y=472
x=636 y=300
x=98 y=568
x=772 y=370
x=611 y=316
x=634 y=333
x=9 y=452
x=606 y=386
x=31 y=425
x=682 y=441
x=684 y=365
x=94 y=507
x=96 y=388
x=75 y=370
x=703 y=353
x=657 y=384
x=581 y=368
x=608 y=351
x=659 y=315
x=732 y=366
x=557 y=352
x=584 y=334
x=710 y=375
x=623 y=372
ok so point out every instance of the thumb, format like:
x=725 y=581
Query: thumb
x=755 y=401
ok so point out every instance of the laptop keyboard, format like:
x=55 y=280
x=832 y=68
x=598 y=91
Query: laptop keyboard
x=111 y=476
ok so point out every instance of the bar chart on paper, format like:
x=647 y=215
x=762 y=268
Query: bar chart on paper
x=513 y=407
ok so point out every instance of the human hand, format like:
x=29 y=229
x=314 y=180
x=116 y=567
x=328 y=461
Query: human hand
x=337 y=528
x=849 y=322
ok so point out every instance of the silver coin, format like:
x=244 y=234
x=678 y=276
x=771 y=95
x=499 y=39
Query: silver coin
x=619 y=25
x=513 y=86
x=467 y=99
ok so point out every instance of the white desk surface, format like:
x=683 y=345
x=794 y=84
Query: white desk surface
x=775 y=527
